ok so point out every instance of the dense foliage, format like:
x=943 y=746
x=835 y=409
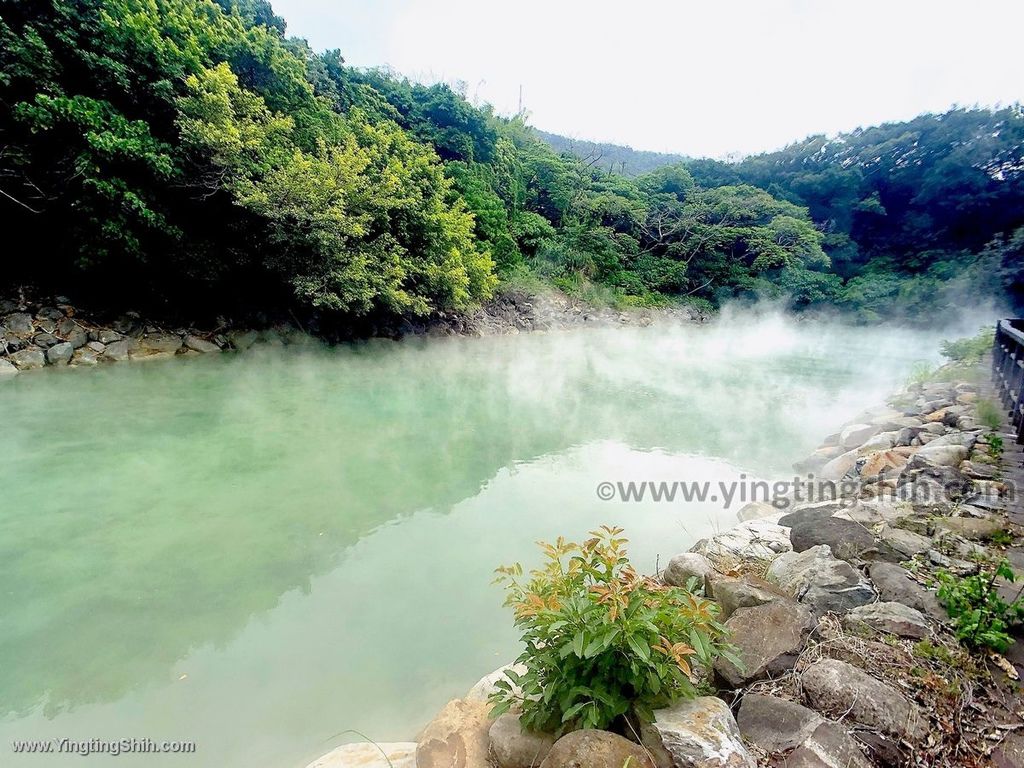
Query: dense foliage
x=188 y=154
x=980 y=616
x=604 y=646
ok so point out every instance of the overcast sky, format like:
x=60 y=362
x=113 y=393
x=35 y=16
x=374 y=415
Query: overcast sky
x=700 y=78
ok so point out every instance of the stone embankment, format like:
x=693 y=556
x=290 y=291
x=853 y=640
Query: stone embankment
x=847 y=656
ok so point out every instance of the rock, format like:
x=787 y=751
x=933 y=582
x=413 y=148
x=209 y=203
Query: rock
x=954 y=565
x=60 y=354
x=882 y=464
x=200 y=345
x=874 y=511
x=45 y=340
x=847 y=540
x=933 y=428
x=72 y=332
x=19 y=324
x=839 y=466
x=819 y=580
x=50 y=313
x=894 y=585
x=883 y=441
x=85 y=357
x=768 y=639
x=835 y=687
x=457 y=736
x=1009 y=753
x=756 y=539
x=105 y=335
x=904 y=542
x=593 y=749
x=28 y=359
x=512 y=747
x=118 y=351
x=369 y=756
x=7 y=369
x=242 y=340
x=977 y=471
x=756 y=510
x=485 y=686
x=97 y=347
x=731 y=593
x=696 y=733
x=855 y=435
x=158 y=345
x=779 y=725
x=682 y=568
x=933 y=455
x=892 y=617
x=971 y=527
x=963 y=439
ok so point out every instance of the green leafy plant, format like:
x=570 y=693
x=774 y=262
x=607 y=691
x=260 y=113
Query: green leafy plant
x=989 y=414
x=604 y=646
x=969 y=350
x=981 y=618
x=994 y=443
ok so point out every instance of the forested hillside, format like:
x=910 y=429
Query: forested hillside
x=189 y=156
x=611 y=157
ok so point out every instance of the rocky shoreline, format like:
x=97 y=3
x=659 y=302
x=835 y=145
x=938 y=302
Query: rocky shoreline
x=52 y=333
x=848 y=658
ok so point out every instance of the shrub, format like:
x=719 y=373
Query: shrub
x=981 y=618
x=989 y=414
x=969 y=350
x=604 y=646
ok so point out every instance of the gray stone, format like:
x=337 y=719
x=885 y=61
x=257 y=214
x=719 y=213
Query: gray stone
x=45 y=340
x=954 y=565
x=836 y=688
x=1009 y=753
x=892 y=617
x=837 y=468
x=85 y=357
x=754 y=539
x=7 y=369
x=696 y=733
x=894 y=585
x=756 y=510
x=197 y=344
x=904 y=542
x=767 y=639
x=105 y=335
x=819 y=580
x=933 y=455
x=874 y=511
x=971 y=527
x=158 y=345
x=731 y=593
x=978 y=471
x=487 y=684
x=846 y=539
x=963 y=439
x=682 y=568
x=97 y=346
x=118 y=351
x=72 y=332
x=242 y=340
x=512 y=747
x=29 y=359
x=19 y=324
x=60 y=354
x=589 y=749
x=855 y=435
x=50 y=313
x=401 y=755
x=457 y=736
x=779 y=725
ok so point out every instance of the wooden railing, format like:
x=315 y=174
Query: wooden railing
x=1008 y=370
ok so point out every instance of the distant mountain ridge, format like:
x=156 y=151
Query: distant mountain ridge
x=613 y=157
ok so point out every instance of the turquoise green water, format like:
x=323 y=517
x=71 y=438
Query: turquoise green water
x=258 y=552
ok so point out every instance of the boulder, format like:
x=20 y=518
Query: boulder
x=767 y=639
x=457 y=736
x=963 y=439
x=847 y=540
x=837 y=688
x=933 y=455
x=883 y=441
x=45 y=340
x=105 y=335
x=756 y=510
x=933 y=428
x=874 y=511
x=895 y=585
x=72 y=332
x=512 y=747
x=60 y=354
x=85 y=357
x=486 y=685
x=242 y=340
x=881 y=464
x=696 y=733
x=779 y=725
x=731 y=593
x=50 y=313
x=1009 y=753
x=197 y=344
x=903 y=542
x=18 y=324
x=806 y=511
x=7 y=369
x=892 y=617
x=369 y=756
x=980 y=528
x=119 y=351
x=28 y=359
x=977 y=471
x=688 y=565
x=839 y=466
x=594 y=749
x=855 y=435
x=819 y=580
x=755 y=539
x=158 y=345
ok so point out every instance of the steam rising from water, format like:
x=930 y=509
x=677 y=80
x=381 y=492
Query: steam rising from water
x=260 y=551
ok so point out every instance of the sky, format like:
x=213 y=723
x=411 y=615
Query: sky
x=712 y=78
